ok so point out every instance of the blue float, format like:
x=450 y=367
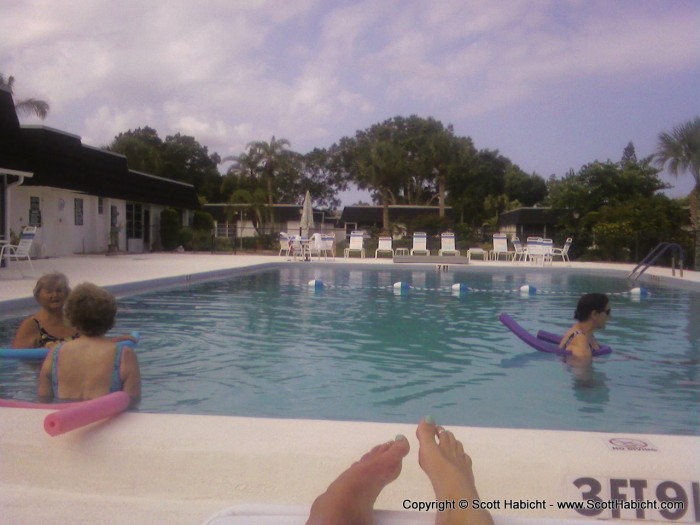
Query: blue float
x=40 y=353
x=316 y=284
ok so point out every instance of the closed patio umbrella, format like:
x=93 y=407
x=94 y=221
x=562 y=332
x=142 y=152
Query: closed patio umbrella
x=307 y=216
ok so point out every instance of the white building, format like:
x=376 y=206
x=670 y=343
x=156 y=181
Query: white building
x=82 y=199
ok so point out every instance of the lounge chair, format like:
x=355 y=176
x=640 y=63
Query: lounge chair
x=357 y=244
x=420 y=243
x=500 y=246
x=328 y=245
x=384 y=246
x=447 y=244
x=546 y=247
x=20 y=250
x=563 y=252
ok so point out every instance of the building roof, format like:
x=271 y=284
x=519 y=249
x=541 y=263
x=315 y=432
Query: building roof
x=529 y=216
x=282 y=212
x=397 y=213
x=59 y=160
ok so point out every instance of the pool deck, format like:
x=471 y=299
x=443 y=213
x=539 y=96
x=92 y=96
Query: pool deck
x=176 y=469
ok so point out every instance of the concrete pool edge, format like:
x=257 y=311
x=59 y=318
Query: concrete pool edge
x=181 y=469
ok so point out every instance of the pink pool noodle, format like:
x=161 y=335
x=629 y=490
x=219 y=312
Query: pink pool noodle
x=85 y=413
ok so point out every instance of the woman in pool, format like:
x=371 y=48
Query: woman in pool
x=592 y=313
x=47 y=327
x=91 y=365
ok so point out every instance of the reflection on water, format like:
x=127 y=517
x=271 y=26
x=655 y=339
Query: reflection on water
x=267 y=345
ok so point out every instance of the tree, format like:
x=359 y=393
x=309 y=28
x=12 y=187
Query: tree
x=142 y=149
x=598 y=187
x=402 y=161
x=26 y=106
x=526 y=189
x=271 y=158
x=178 y=157
x=679 y=152
x=186 y=160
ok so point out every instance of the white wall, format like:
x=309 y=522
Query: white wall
x=58 y=234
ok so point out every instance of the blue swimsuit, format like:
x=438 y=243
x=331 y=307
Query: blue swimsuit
x=116 y=384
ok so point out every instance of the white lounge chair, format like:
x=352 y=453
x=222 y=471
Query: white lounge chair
x=500 y=246
x=20 y=250
x=447 y=244
x=563 y=252
x=420 y=243
x=328 y=245
x=357 y=244
x=385 y=246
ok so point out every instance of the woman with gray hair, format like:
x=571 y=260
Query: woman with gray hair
x=47 y=327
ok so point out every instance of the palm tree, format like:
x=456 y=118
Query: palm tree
x=271 y=158
x=679 y=151
x=28 y=105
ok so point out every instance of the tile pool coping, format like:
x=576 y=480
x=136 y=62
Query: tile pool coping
x=165 y=468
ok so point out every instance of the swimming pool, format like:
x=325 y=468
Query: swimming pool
x=266 y=345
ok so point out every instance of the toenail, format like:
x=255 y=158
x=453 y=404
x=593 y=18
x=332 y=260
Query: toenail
x=441 y=430
x=399 y=437
x=430 y=420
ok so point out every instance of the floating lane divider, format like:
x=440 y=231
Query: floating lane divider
x=544 y=341
x=85 y=412
x=40 y=353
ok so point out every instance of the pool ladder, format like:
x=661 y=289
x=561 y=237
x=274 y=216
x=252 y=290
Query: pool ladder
x=654 y=254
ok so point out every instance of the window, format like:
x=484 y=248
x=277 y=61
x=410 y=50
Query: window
x=78 y=209
x=34 y=212
x=134 y=221
x=100 y=206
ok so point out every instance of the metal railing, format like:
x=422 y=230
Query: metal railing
x=654 y=254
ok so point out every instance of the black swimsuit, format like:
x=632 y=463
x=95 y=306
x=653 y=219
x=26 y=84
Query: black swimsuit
x=46 y=338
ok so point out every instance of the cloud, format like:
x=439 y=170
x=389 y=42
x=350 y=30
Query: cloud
x=311 y=71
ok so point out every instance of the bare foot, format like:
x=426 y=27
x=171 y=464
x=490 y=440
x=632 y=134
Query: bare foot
x=349 y=500
x=450 y=472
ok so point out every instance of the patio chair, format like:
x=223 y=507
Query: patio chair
x=546 y=247
x=520 y=253
x=328 y=245
x=285 y=244
x=315 y=246
x=357 y=244
x=500 y=246
x=563 y=252
x=384 y=246
x=20 y=250
x=420 y=243
x=447 y=244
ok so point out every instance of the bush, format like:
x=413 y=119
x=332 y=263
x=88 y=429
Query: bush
x=170 y=226
x=202 y=220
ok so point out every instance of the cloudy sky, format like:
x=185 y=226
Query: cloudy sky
x=551 y=84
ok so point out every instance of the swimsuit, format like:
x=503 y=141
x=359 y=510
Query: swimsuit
x=116 y=384
x=45 y=337
x=574 y=334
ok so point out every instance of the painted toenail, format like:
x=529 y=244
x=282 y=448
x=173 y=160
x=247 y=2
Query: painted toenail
x=399 y=437
x=430 y=420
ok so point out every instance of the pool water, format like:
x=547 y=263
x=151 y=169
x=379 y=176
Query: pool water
x=268 y=345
